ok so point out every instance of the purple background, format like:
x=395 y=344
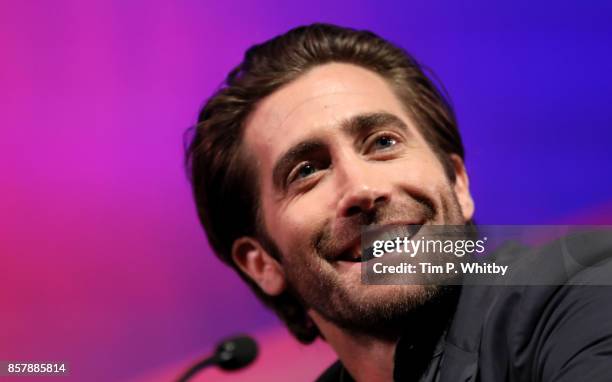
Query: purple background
x=104 y=264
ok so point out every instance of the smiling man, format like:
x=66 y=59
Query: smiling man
x=318 y=133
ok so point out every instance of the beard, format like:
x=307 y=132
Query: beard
x=382 y=311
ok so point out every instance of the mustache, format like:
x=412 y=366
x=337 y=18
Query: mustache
x=328 y=242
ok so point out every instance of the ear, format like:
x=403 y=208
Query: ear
x=462 y=187
x=259 y=265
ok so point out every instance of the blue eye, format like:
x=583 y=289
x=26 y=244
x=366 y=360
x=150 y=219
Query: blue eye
x=306 y=170
x=384 y=141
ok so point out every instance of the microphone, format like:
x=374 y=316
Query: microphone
x=231 y=354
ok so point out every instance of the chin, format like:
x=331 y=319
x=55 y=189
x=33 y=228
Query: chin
x=391 y=294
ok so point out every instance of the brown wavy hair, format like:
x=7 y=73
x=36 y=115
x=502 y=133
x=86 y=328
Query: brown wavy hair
x=224 y=182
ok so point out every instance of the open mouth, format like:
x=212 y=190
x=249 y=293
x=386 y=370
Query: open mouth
x=388 y=232
x=353 y=256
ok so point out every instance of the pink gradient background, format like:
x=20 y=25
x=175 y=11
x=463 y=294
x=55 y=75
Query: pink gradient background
x=104 y=264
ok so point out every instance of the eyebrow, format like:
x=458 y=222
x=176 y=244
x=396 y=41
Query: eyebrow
x=356 y=125
x=361 y=123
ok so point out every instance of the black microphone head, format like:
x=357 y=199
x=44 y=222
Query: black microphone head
x=236 y=352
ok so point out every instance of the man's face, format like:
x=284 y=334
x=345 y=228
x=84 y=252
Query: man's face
x=335 y=150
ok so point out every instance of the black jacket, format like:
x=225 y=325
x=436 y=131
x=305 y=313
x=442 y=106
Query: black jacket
x=556 y=332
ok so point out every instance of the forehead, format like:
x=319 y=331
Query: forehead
x=314 y=104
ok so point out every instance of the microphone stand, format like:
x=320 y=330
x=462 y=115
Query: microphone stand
x=231 y=354
x=194 y=369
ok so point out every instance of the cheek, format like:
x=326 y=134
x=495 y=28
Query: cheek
x=293 y=227
x=422 y=171
x=422 y=176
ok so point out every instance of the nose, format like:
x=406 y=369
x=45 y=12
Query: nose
x=362 y=188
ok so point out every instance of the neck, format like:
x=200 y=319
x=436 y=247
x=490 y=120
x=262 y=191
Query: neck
x=366 y=358
x=371 y=357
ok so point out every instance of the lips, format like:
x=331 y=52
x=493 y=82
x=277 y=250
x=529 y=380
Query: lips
x=353 y=255
x=352 y=251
